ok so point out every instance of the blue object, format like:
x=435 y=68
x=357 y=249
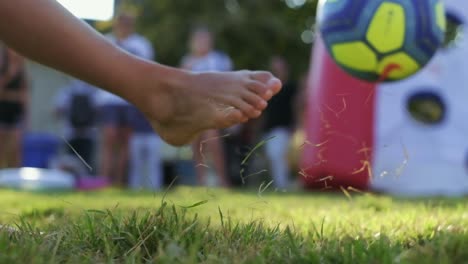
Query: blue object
x=38 y=149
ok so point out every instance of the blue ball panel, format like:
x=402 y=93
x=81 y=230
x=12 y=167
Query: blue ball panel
x=349 y=20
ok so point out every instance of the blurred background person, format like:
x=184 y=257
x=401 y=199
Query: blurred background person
x=75 y=107
x=146 y=168
x=115 y=112
x=201 y=58
x=278 y=124
x=13 y=106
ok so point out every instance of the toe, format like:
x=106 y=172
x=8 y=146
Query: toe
x=233 y=118
x=229 y=114
x=257 y=87
x=274 y=85
x=260 y=89
x=254 y=100
x=270 y=85
x=261 y=76
x=247 y=109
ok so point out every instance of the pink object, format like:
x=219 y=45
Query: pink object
x=339 y=126
x=92 y=183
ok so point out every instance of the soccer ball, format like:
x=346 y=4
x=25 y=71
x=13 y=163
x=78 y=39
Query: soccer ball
x=382 y=40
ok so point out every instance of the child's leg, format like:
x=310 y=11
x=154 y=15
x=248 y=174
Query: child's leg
x=137 y=161
x=108 y=127
x=276 y=150
x=14 y=157
x=214 y=146
x=155 y=169
x=3 y=148
x=121 y=165
x=108 y=141
x=199 y=160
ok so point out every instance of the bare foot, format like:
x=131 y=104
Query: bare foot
x=189 y=103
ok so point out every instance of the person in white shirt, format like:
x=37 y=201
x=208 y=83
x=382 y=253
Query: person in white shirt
x=114 y=112
x=203 y=58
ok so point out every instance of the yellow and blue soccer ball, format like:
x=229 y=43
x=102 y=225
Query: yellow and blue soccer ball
x=382 y=40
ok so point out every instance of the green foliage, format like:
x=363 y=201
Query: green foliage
x=250 y=31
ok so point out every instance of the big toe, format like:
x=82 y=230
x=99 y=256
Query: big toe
x=261 y=76
x=275 y=85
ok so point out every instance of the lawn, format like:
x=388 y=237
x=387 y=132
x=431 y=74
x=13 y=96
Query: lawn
x=188 y=225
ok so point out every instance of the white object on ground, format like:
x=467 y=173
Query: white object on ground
x=35 y=179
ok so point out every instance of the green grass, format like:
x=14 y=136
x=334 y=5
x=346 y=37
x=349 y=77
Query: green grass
x=216 y=226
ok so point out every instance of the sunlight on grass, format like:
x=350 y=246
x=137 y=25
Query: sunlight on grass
x=213 y=226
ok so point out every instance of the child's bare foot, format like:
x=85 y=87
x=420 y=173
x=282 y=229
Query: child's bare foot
x=189 y=103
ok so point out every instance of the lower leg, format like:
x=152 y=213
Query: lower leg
x=280 y=172
x=84 y=148
x=3 y=148
x=215 y=147
x=107 y=153
x=199 y=160
x=135 y=163
x=155 y=172
x=15 y=156
x=276 y=149
x=122 y=158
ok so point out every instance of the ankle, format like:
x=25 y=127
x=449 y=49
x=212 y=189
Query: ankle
x=157 y=90
x=170 y=79
x=147 y=83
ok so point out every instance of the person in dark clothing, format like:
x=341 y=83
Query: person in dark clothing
x=278 y=124
x=280 y=110
x=75 y=106
x=13 y=102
